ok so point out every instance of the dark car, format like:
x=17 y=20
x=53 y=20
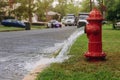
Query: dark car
x=54 y=24
x=13 y=22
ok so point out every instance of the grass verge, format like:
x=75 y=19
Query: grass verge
x=7 y=28
x=38 y=27
x=77 y=68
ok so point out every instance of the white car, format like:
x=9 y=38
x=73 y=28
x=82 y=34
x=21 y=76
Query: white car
x=82 y=19
x=54 y=24
x=117 y=25
x=63 y=20
x=69 y=21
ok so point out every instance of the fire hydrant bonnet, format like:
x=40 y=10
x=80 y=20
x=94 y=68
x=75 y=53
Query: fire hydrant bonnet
x=95 y=15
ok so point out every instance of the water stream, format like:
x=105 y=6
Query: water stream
x=63 y=47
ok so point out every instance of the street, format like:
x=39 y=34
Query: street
x=22 y=47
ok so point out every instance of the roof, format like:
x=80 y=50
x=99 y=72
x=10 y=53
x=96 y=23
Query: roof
x=52 y=13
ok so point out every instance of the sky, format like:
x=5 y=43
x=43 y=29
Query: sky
x=55 y=2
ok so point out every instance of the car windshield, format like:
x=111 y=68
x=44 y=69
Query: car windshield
x=53 y=21
x=70 y=17
x=11 y=20
x=64 y=17
x=83 y=17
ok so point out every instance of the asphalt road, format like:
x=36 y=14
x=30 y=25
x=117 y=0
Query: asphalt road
x=22 y=47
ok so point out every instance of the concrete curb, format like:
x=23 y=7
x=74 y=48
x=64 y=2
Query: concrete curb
x=33 y=74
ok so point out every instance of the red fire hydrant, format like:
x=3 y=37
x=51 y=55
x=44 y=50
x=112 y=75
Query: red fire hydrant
x=94 y=34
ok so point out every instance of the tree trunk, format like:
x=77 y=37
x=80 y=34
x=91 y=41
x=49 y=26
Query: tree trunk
x=28 y=24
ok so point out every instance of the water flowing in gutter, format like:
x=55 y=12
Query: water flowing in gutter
x=64 y=50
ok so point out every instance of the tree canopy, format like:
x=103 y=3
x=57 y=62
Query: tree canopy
x=27 y=7
x=113 y=9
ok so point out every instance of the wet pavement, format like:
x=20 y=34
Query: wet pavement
x=18 y=49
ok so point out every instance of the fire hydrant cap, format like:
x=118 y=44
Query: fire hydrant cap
x=95 y=15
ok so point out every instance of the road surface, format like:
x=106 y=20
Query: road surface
x=17 y=49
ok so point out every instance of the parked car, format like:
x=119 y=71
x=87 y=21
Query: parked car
x=69 y=21
x=54 y=24
x=13 y=22
x=116 y=25
x=82 y=19
x=63 y=20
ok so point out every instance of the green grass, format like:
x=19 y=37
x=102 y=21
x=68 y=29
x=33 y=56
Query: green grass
x=77 y=68
x=38 y=27
x=7 y=28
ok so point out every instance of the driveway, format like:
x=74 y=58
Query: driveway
x=18 y=49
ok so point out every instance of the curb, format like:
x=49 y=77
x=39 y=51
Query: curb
x=33 y=74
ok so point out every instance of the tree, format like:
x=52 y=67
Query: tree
x=25 y=10
x=85 y=6
x=71 y=8
x=3 y=4
x=65 y=7
x=61 y=7
x=43 y=6
x=113 y=9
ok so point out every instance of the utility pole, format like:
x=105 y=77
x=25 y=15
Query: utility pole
x=103 y=7
x=11 y=3
x=10 y=6
x=28 y=25
x=90 y=5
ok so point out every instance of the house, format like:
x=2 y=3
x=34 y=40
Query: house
x=52 y=15
x=49 y=15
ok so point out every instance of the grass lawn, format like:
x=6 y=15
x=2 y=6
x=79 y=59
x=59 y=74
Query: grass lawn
x=33 y=27
x=6 y=29
x=77 y=68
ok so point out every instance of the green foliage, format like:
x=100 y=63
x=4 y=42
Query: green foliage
x=2 y=11
x=65 y=8
x=25 y=9
x=61 y=7
x=71 y=8
x=113 y=9
x=43 y=6
x=77 y=68
x=21 y=12
x=3 y=4
x=85 y=6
